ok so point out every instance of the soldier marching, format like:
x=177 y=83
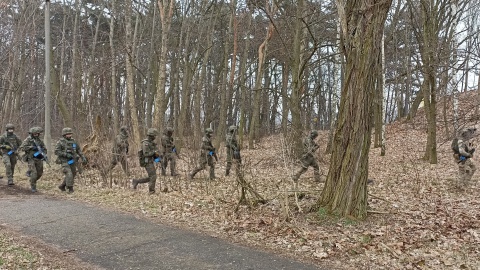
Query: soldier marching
x=153 y=156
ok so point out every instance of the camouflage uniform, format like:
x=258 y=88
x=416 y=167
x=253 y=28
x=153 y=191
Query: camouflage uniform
x=206 y=155
x=466 y=168
x=68 y=153
x=9 y=143
x=35 y=152
x=309 y=147
x=152 y=156
x=233 y=151
x=120 y=151
x=169 y=152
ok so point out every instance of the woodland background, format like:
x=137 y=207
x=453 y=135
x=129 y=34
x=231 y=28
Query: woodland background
x=267 y=66
x=276 y=69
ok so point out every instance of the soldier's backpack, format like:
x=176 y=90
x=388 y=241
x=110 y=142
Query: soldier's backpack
x=455 y=146
x=141 y=158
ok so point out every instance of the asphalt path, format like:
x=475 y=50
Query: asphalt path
x=115 y=240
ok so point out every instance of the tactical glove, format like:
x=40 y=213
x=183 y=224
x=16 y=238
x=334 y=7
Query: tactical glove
x=7 y=147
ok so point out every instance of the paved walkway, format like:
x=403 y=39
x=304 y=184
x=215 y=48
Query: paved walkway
x=114 y=240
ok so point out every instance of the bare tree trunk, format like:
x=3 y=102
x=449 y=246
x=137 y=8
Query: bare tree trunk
x=76 y=80
x=285 y=106
x=334 y=94
x=200 y=82
x=113 y=75
x=345 y=191
x=186 y=83
x=262 y=50
x=242 y=78
x=225 y=91
x=130 y=59
x=295 y=136
x=166 y=11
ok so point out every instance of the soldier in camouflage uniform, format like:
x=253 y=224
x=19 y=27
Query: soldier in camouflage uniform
x=308 y=159
x=9 y=143
x=152 y=156
x=233 y=151
x=464 y=157
x=169 y=151
x=207 y=154
x=120 y=151
x=35 y=153
x=68 y=154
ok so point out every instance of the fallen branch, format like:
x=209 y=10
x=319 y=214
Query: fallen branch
x=382 y=199
x=394 y=253
x=377 y=212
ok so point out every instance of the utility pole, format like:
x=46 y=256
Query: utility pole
x=48 y=50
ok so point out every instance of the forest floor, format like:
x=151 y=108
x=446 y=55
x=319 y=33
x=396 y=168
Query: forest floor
x=418 y=218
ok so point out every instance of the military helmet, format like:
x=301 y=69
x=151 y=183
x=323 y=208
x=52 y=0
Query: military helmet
x=35 y=130
x=314 y=133
x=152 y=132
x=124 y=129
x=169 y=129
x=232 y=128
x=468 y=133
x=66 y=131
x=208 y=131
x=9 y=126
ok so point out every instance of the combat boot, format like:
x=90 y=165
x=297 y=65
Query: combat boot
x=174 y=174
x=212 y=174
x=227 y=172
x=163 y=171
x=151 y=191
x=28 y=173
x=62 y=187
x=134 y=184
x=10 y=182
x=34 y=188
x=70 y=189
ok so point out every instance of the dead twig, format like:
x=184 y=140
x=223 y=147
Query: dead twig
x=394 y=253
x=377 y=212
x=379 y=198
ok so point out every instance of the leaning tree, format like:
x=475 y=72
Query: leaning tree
x=362 y=23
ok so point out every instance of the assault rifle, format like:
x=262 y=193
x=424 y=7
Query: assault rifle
x=40 y=154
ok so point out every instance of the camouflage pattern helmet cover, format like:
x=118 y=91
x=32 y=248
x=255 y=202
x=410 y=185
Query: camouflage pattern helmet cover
x=208 y=131
x=468 y=133
x=314 y=133
x=66 y=131
x=124 y=129
x=152 y=132
x=9 y=126
x=34 y=130
x=232 y=128
x=169 y=129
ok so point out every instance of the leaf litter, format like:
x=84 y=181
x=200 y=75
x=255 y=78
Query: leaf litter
x=417 y=220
